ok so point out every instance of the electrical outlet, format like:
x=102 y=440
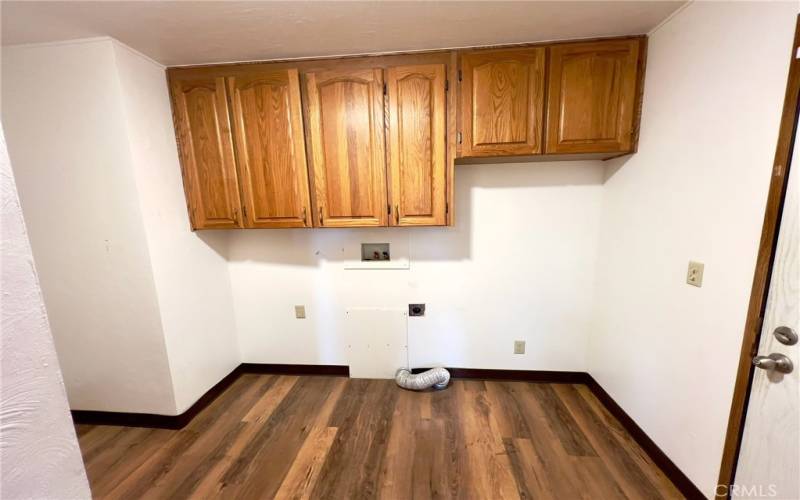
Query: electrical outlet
x=694 y=275
x=519 y=347
x=300 y=312
x=416 y=309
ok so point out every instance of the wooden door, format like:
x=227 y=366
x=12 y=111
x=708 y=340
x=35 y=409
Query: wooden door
x=345 y=125
x=591 y=97
x=416 y=144
x=769 y=460
x=270 y=147
x=206 y=150
x=502 y=102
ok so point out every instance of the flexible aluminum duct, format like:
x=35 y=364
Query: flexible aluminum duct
x=435 y=377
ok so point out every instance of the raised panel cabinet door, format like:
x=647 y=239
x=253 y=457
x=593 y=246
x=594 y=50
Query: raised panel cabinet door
x=502 y=102
x=270 y=147
x=206 y=150
x=416 y=144
x=346 y=127
x=591 y=96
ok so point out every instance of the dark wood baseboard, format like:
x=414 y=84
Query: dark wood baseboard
x=681 y=481
x=153 y=420
x=544 y=376
x=678 y=478
x=180 y=421
x=335 y=370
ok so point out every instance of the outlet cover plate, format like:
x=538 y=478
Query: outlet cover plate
x=694 y=275
x=519 y=347
x=300 y=312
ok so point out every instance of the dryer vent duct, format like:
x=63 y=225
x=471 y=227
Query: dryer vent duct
x=435 y=377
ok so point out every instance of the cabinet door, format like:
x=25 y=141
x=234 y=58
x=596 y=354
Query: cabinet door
x=502 y=102
x=345 y=111
x=270 y=147
x=204 y=138
x=591 y=97
x=416 y=145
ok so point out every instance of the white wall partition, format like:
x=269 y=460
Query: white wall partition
x=666 y=351
x=140 y=306
x=69 y=148
x=189 y=269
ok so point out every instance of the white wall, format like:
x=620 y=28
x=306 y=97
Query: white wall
x=69 y=147
x=190 y=269
x=667 y=352
x=519 y=265
x=140 y=306
x=39 y=454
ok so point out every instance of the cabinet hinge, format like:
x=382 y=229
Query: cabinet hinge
x=459 y=137
x=384 y=89
x=244 y=211
x=389 y=209
x=446 y=208
x=446 y=85
x=459 y=75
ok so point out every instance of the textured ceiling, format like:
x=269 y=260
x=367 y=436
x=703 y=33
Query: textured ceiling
x=192 y=32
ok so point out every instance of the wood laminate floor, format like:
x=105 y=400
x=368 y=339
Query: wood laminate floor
x=333 y=437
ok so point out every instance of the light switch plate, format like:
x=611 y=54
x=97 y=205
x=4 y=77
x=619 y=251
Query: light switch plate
x=519 y=347
x=694 y=275
x=300 y=312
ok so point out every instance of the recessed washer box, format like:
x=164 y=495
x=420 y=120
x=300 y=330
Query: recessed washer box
x=375 y=252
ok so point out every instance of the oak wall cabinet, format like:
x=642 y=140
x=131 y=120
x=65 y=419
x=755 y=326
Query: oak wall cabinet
x=372 y=141
x=346 y=128
x=417 y=144
x=592 y=96
x=270 y=148
x=200 y=107
x=356 y=143
x=592 y=89
x=502 y=102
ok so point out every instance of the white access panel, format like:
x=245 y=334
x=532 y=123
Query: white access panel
x=377 y=341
